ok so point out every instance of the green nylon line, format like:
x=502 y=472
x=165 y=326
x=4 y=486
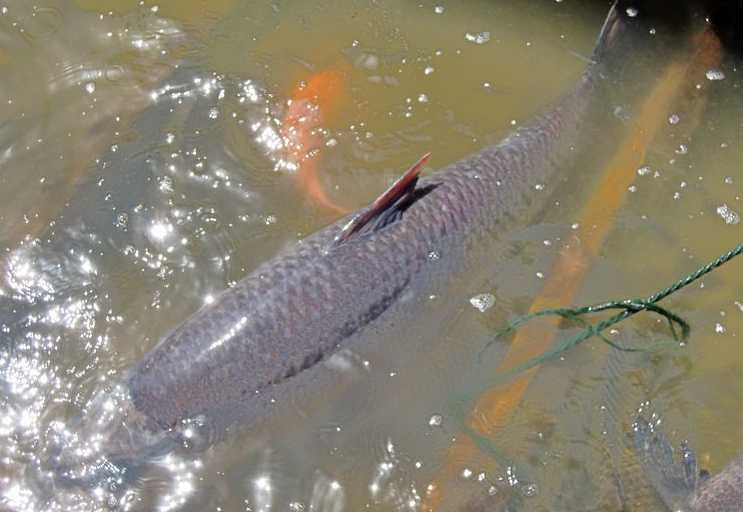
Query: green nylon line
x=628 y=307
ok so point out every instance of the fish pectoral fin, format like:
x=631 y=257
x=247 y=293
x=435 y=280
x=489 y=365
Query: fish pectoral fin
x=387 y=207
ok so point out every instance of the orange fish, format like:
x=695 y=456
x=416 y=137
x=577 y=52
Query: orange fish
x=312 y=103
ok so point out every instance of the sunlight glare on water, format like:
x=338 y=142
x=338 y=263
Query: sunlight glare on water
x=151 y=155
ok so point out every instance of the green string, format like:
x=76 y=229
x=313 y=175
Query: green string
x=628 y=307
x=680 y=330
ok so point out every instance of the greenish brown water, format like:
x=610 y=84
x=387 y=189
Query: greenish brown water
x=141 y=173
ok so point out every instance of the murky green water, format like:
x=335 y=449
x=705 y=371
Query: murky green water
x=142 y=171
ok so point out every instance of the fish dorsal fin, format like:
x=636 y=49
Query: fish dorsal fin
x=399 y=190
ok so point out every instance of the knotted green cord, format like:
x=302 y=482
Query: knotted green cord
x=628 y=307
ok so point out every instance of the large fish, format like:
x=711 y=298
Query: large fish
x=680 y=483
x=261 y=340
x=234 y=358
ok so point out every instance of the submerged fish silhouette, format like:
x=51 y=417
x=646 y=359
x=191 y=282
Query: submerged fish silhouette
x=680 y=483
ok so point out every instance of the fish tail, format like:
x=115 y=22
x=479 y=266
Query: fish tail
x=610 y=32
x=310 y=179
x=642 y=32
x=624 y=38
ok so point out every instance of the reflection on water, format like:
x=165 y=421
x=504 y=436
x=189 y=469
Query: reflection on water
x=143 y=170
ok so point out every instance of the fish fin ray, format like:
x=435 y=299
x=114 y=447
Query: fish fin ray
x=388 y=207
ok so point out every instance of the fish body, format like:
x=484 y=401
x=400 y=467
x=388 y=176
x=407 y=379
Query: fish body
x=300 y=307
x=678 y=480
x=233 y=359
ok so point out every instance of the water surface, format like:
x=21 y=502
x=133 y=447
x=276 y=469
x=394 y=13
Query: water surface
x=142 y=171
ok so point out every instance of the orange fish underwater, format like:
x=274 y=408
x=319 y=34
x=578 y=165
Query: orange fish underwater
x=312 y=103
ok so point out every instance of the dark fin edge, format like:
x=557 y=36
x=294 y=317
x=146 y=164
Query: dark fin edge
x=608 y=34
x=394 y=195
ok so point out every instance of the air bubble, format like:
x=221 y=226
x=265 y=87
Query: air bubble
x=715 y=74
x=478 y=37
x=529 y=490
x=727 y=214
x=483 y=301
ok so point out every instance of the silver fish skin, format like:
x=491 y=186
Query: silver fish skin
x=677 y=477
x=261 y=339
